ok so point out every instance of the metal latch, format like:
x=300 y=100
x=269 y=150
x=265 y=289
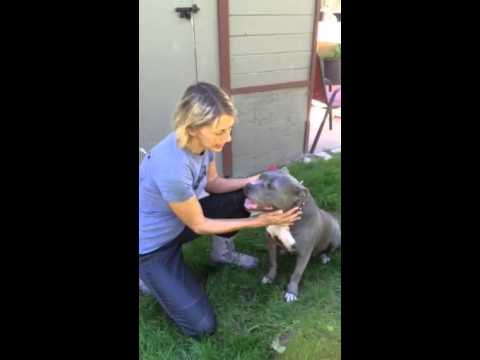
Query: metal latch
x=186 y=12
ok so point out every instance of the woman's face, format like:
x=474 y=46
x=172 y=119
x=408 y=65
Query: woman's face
x=215 y=136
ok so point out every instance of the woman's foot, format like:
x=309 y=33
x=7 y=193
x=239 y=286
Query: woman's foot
x=223 y=252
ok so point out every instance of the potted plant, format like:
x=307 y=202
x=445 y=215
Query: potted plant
x=332 y=64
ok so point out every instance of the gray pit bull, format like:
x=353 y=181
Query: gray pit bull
x=317 y=232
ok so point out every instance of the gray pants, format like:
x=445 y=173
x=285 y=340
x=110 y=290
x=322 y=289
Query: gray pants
x=171 y=281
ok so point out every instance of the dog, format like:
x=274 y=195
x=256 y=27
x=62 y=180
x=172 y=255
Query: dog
x=317 y=232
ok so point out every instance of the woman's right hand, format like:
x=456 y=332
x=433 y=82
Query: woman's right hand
x=279 y=217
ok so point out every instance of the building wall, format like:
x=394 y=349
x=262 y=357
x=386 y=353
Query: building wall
x=166 y=62
x=270 y=43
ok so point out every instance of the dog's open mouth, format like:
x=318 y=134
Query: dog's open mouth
x=251 y=205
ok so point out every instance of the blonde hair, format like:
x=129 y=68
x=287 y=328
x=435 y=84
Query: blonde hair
x=202 y=104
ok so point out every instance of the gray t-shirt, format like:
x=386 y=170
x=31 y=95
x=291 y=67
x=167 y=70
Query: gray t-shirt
x=168 y=174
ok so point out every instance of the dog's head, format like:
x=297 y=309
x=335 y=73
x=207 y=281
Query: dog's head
x=274 y=190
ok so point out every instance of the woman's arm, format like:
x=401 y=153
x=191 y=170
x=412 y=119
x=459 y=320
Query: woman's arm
x=191 y=214
x=218 y=185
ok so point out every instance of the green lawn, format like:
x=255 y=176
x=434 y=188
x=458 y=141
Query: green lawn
x=250 y=315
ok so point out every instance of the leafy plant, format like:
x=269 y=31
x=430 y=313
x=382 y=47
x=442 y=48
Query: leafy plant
x=337 y=54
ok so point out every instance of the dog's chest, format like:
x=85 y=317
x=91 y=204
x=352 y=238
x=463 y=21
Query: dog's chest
x=278 y=230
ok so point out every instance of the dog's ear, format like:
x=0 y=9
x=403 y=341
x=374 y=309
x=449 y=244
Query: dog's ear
x=301 y=191
x=285 y=170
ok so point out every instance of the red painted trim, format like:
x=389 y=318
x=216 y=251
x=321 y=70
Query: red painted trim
x=224 y=52
x=313 y=57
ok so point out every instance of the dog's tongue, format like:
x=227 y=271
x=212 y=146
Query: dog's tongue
x=250 y=204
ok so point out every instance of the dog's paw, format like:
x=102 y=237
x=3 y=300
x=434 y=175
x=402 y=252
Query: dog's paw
x=325 y=259
x=289 y=297
x=266 y=280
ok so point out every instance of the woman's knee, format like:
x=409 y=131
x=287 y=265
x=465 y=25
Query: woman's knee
x=207 y=326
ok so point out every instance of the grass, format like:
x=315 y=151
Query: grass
x=251 y=315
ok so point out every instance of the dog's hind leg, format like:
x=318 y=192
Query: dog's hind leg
x=272 y=255
x=292 y=288
x=335 y=243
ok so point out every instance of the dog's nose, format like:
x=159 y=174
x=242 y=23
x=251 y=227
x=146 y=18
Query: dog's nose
x=293 y=248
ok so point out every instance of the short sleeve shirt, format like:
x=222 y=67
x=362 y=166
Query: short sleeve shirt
x=168 y=174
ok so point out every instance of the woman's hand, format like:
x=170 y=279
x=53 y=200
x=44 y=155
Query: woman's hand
x=279 y=217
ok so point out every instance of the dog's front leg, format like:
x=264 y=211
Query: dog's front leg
x=272 y=255
x=292 y=288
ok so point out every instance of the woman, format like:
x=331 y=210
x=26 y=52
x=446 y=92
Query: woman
x=182 y=197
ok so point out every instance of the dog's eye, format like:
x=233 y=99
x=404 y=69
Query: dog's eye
x=270 y=186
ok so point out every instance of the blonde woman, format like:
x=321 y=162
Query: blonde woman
x=182 y=197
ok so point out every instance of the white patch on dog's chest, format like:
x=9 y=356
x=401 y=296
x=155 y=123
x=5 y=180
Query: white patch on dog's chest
x=283 y=234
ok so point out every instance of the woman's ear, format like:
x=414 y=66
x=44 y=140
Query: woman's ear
x=191 y=131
